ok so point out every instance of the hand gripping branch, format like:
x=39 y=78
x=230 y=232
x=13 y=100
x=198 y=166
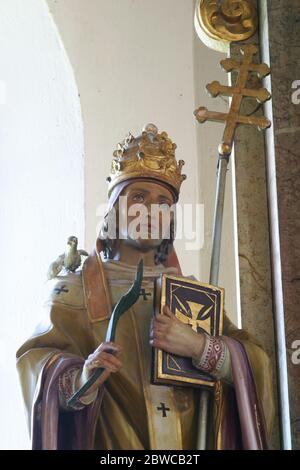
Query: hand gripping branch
x=123 y=305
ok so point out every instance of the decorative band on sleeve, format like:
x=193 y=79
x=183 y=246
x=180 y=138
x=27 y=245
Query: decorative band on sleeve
x=67 y=388
x=213 y=357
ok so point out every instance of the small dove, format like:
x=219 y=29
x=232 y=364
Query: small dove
x=71 y=259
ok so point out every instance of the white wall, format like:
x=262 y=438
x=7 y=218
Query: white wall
x=41 y=182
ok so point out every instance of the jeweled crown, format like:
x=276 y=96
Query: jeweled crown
x=150 y=155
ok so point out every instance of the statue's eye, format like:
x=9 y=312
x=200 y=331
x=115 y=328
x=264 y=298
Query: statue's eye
x=138 y=197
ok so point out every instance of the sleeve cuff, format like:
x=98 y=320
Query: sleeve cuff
x=67 y=388
x=215 y=359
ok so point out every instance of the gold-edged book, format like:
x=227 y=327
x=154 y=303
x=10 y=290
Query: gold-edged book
x=197 y=304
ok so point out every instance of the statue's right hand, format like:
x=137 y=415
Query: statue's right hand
x=107 y=355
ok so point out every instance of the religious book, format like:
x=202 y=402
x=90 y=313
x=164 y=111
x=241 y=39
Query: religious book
x=197 y=304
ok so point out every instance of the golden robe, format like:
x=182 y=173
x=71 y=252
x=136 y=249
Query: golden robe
x=129 y=411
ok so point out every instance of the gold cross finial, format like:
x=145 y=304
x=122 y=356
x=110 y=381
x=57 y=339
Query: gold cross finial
x=238 y=91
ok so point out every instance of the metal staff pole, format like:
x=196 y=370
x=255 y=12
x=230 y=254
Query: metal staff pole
x=232 y=119
x=213 y=279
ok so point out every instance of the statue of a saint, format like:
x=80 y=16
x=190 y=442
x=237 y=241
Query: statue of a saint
x=123 y=409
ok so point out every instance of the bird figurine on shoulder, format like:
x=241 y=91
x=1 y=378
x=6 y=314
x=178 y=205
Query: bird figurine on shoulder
x=70 y=260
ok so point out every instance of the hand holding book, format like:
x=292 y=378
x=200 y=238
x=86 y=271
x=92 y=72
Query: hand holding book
x=175 y=337
x=188 y=318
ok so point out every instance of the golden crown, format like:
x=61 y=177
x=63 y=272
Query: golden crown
x=150 y=155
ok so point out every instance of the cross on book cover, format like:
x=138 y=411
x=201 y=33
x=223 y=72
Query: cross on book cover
x=197 y=304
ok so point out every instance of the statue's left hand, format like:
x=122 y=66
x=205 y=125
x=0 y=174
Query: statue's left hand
x=173 y=336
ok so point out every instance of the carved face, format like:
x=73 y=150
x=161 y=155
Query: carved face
x=145 y=211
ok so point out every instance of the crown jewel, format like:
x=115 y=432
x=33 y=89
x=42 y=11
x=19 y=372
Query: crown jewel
x=150 y=155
